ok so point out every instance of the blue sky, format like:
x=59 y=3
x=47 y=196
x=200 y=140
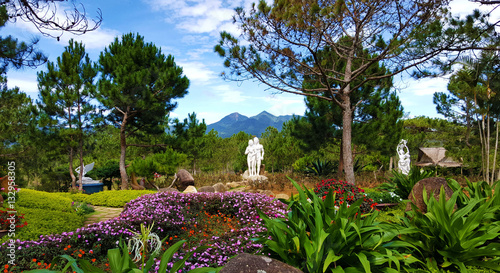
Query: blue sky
x=189 y=29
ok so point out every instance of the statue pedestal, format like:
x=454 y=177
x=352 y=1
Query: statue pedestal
x=91 y=186
x=254 y=178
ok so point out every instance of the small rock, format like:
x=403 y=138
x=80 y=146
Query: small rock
x=268 y=193
x=282 y=196
x=190 y=189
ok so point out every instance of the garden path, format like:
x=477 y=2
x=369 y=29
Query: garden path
x=102 y=214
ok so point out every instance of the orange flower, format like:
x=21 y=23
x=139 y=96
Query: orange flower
x=39 y=264
x=80 y=255
x=6 y=266
x=34 y=260
x=5 y=270
x=93 y=260
x=68 y=246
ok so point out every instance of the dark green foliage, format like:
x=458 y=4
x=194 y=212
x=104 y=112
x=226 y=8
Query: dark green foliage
x=55 y=180
x=105 y=173
x=402 y=184
x=315 y=237
x=382 y=197
x=189 y=137
x=452 y=238
x=82 y=208
x=165 y=163
x=15 y=53
x=137 y=85
x=321 y=168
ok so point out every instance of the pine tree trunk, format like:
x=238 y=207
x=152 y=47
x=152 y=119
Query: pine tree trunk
x=487 y=137
x=123 y=150
x=80 y=144
x=495 y=157
x=346 y=145
x=71 y=174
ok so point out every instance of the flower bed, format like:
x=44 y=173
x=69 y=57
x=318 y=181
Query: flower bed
x=344 y=192
x=226 y=221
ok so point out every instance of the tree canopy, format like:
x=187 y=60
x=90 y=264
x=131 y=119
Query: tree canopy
x=286 y=41
x=137 y=85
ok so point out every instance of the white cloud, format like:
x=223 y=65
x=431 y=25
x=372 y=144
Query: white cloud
x=203 y=16
x=284 y=104
x=227 y=93
x=26 y=83
x=197 y=72
x=423 y=87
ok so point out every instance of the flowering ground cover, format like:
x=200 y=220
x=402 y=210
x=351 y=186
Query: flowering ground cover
x=225 y=221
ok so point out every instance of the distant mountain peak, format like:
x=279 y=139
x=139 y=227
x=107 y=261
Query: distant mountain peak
x=256 y=125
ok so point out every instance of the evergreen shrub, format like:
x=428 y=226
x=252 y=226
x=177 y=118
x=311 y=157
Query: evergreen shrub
x=43 y=200
x=113 y=198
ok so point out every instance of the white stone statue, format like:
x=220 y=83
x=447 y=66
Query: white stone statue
x=259 y=154
x=404 y=157
x=250 y=152
x=86 y=169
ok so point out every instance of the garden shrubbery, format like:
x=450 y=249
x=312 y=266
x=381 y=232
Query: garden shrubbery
x=344 y=192
x=43 y=200
x=228 y=221
x=106 y=198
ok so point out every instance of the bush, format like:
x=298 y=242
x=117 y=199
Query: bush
x=314 y=237
x=43 y=200
x=344 y=192
x=402 y=184
x=113 y=198
x=384 y=197
x=452 y=238
x=45 y=222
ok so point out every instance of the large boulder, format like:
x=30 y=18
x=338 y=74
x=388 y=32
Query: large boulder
x=248 y=263
x=432 y=186
x=183 y=179
x=206 y=189
x=219 y=187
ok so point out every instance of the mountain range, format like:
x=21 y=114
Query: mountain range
x=256 y=125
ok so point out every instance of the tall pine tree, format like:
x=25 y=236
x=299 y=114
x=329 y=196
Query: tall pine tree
x=65 y=93
x=137 y=86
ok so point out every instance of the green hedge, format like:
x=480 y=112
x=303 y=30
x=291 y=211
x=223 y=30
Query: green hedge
x=115 y=198
x=43 y=200
x=106 y=198
x=44 y=222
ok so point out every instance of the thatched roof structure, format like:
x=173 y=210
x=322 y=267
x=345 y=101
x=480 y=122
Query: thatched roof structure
x=435 y=156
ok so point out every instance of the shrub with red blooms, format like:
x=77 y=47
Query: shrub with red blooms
x=344 y=192
x=7 y=215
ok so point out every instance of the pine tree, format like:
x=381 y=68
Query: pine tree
x=137 y=86
x=66 y=90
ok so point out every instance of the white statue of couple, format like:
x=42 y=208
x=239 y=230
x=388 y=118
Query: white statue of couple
x=255 y=154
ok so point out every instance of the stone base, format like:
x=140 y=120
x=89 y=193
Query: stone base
x=253 y=178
